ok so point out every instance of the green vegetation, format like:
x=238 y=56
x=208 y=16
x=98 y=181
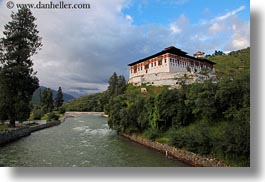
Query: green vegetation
x=36 y=98
x=18 y=81
x=98 y=102
x=58 y=101
x=46 y=110
x=3 y=127
x=209 y=119
x=206 y=118
x=234 y=63
x=91 y=103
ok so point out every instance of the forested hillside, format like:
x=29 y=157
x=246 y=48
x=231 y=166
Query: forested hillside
x=36 y=95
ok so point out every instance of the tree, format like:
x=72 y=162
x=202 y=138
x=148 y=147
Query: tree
x=112 y=84
x=47 y=100
x=17 y=79
x=58 y=102
x=121 y=85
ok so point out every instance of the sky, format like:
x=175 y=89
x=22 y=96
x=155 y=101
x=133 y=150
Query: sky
x=83 y=47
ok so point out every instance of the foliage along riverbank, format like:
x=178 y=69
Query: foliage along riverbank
x=170 y=152
x=210 y=119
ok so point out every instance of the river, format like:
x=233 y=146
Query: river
x=84 y=141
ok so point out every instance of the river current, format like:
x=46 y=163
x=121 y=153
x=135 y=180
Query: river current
x=84 y=141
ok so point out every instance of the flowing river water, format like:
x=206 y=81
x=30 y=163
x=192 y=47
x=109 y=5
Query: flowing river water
x=84 y=141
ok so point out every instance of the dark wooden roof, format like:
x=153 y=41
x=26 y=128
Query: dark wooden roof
x=171 y=50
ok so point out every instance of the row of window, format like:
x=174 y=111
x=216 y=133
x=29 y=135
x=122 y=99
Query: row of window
x=159 y=63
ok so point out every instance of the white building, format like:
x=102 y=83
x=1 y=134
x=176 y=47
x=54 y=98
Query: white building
x=168 y=67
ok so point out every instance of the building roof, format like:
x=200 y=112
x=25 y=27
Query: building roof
x=171 y=50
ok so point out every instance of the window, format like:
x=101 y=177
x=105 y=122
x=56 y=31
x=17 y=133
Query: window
x=165 y=60
x=160 y=63
x=155 y=63
x=146 y=66
x=151 y=64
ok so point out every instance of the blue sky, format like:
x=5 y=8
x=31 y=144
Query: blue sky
x=165 y=11
x=85 y=47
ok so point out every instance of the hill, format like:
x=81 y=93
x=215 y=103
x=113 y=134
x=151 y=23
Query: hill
x=36 y=95
x=86 y=103
x=232 y=63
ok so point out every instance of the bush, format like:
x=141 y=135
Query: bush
x=61 y=110
x=37 y=113
x=52 y=116
x=194 y=138
x=152 y=134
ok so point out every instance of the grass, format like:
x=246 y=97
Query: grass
x=4 y=127
x=232 y=63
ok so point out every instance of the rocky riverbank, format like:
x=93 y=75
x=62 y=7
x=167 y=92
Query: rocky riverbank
x=179 y=154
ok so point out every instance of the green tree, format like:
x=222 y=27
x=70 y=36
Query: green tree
x=58 y=102
x=49 y=100
x=113 y=84
x=121 y=85
x=17 y=79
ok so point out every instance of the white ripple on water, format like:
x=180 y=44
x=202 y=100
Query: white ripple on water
x=88 y=131
x=81 y=128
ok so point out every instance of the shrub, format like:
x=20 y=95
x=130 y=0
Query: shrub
x=37 y=113
x=152 y=134
x=61 y=110
x=52 y=116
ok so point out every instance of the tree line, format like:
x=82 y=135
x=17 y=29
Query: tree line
x=48 y=105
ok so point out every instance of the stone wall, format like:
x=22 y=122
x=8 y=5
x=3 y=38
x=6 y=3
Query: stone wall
x=8 y=136
x=43 y=126
x=179 y=154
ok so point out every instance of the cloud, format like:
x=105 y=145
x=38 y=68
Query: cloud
x=229 y=14
x=182 y=21
x=240 y=36
x=215 y=27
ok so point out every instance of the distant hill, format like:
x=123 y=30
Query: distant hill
x=36 y=95
x=231 y=63
x=92 y=102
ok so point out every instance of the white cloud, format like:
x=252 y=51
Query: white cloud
x=215 y=27
x=229 y=14
x=174 y=28
x=129 y=18
x=240 y=36
x=177 y=26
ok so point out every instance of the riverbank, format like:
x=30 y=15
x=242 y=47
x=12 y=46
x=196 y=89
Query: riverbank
x=15 y=134
x=76 y=114
x=179 y=154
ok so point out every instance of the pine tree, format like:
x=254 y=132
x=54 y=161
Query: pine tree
x=59 y=99
x=17 y=79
